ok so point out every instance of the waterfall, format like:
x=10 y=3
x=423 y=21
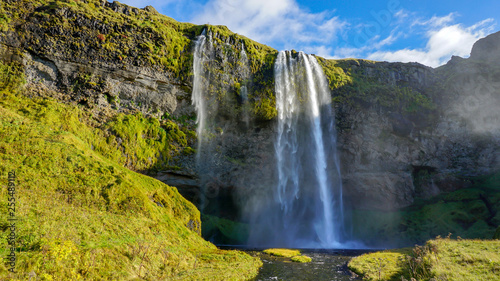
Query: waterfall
x=197 y=96
x=303 y=208
x=309 y=189
x=244 y=66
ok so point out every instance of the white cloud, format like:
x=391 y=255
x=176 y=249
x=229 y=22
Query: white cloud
x=436 y=21
x=443 y=41
x=322 y=51
x=281 y=22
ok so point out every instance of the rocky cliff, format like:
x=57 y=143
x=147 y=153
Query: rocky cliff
x=406 y=131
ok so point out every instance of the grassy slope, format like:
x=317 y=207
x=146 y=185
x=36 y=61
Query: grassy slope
x=84 y=216
x=441 y=259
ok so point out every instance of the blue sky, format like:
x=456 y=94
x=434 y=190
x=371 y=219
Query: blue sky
x=425 y=31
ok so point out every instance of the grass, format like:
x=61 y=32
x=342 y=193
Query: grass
x=82 y=215
x=379 y=265
x=438 y=259
x=294 y=255
x=301 y=259
x=287 y=253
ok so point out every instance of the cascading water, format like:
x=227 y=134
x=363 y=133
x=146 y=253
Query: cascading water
x=306 y=208
x=308 y=211
x=197 y=95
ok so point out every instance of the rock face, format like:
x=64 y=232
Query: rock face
x=487 y=49
x=390 y=154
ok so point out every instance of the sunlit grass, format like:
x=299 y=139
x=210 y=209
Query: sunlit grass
x=287 y=253
x=301 y=259
x=379 y=265
x=441 y=259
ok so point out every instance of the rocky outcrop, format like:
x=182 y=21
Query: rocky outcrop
x=487 y=49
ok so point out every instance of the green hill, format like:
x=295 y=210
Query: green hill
x=81 y=215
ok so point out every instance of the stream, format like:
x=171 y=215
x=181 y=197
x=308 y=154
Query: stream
x=326 y=265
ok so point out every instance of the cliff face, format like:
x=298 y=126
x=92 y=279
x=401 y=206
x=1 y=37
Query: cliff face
x=406 y=131
x=392 y=156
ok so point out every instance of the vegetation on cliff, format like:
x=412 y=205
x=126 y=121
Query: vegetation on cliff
x=112 y=35
x=438 y=259
x=360 y=82
x=81 y=214
x=469 y=213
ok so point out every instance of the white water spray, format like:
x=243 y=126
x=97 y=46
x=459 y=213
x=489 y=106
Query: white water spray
x=309 y=188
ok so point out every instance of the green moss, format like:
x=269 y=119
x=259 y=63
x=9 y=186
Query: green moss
x=379 y=265
x=335 y=74
x=146 y=142
x=265 y=109
x=287 y=253
x=441 y=259
x=227 y=231
x=82 y=215
x=301 y=259
x=352 y=85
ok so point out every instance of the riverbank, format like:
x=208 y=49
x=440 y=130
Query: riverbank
x=441 y=259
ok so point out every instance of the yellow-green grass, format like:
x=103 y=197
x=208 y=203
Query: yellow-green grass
x=81 y=215
x=301 y=259
x=379 y=265
x=293 y=254
x=287 y=253
x=441 y=259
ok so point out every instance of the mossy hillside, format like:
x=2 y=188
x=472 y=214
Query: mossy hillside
x=133 y=140
x=147 y=143
x=101 y=32
x=468 y=213
x=441 y=259
x=336 y=75
x=114 y=35
x=83 y=216
x=137 y=142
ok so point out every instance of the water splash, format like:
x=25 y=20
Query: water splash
x=309 y=189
